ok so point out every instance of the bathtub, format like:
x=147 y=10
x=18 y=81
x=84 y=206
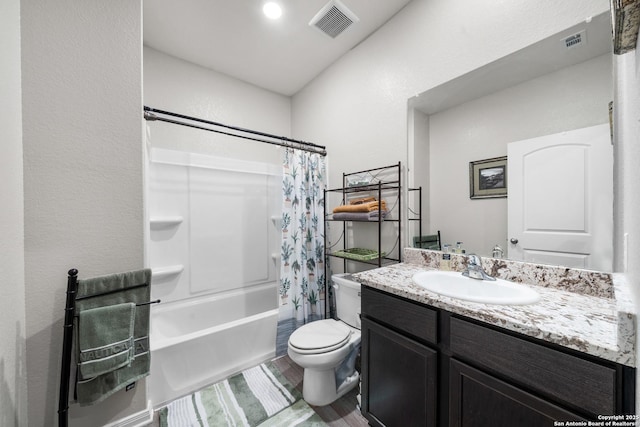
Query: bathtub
x=200 y=341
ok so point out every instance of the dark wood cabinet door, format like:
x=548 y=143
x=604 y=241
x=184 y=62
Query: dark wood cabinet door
x=479 y=400
x=399 y=378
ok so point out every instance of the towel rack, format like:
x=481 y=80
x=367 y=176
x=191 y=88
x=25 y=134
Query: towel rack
x=67 y=340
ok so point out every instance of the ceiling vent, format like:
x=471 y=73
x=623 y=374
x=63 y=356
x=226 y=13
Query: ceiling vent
x=575 y=40
x=333 y=19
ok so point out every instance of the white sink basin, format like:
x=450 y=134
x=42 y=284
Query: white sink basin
x=455 y=285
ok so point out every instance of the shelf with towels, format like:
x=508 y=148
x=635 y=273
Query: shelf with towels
x=373 y=196
x=160 y=222
x=162 y=273
x=370 y=221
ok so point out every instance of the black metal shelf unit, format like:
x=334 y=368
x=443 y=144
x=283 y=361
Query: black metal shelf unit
x=383 y=183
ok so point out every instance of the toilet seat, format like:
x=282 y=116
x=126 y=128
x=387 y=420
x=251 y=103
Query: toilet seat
x=321 y=336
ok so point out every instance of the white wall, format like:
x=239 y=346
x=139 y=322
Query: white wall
x=178 y=86
x=13 y=390
x=83 y=199
x=571 y=98
x=357 y=107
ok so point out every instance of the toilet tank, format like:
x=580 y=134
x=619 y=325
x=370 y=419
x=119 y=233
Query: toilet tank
x=347 y=294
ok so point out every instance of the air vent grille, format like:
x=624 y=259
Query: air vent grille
x=333 y=19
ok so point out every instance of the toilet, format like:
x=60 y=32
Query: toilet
x=327 y=349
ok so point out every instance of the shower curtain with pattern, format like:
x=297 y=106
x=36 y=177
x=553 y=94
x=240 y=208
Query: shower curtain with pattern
x=302 y=282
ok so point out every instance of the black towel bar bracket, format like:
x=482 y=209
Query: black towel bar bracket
x=148 y=303
x=137 y=305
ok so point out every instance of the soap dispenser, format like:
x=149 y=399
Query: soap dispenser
x=458 y=249
x=497 y=252
x=445 y=262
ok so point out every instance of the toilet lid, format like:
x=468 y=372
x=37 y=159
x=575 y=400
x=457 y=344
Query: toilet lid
x=320 y=336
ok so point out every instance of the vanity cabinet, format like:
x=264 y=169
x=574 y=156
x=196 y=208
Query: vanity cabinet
x=399 y=371
x=426 y=366
x=407 y=365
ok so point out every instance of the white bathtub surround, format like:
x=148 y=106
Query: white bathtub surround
x=197 y=342
x=211 y=242
x=212 y=216
x=594 y=324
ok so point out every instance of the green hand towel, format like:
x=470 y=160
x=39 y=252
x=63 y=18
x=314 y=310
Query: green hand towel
x=96 y=389
x=105 y=337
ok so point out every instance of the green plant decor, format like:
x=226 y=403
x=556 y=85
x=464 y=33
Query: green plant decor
x=296 y=302
x=312 y=298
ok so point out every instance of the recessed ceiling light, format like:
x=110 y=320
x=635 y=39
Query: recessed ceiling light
x=272 y=10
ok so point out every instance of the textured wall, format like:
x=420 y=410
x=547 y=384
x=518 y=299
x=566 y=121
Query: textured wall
x=361 y=100
x=13 y=397
x=82 y=140
x=175 y=85
x=358 y=106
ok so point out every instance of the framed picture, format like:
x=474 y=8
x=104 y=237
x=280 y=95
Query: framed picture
x=488 y=178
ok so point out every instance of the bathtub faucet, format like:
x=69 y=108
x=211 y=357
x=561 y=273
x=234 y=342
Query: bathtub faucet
x=474 y=268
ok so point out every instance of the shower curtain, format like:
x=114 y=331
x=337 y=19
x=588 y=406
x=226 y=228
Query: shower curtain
x=302 y=282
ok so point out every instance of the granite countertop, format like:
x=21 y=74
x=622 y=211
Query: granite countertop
x=598 y=319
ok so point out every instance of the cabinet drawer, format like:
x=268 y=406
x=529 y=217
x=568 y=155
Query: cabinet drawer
x=570 y=379
x=412 y=318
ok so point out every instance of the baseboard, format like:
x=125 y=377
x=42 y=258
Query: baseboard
x=140 y=419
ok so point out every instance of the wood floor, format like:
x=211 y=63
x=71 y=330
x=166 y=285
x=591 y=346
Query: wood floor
x=341 y=413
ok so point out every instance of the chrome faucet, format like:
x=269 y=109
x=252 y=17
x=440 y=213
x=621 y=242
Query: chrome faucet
x=474 y=268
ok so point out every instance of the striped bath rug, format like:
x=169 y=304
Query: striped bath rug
x=259 y=396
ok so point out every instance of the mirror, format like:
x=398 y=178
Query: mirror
x=558 y=84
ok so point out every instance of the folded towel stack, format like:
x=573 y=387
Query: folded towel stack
x=363 y=209
x=112 y=334
x=359 y=216
x=362 y=200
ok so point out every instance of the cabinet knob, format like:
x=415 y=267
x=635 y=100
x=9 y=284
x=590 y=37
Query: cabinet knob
x=514 y=241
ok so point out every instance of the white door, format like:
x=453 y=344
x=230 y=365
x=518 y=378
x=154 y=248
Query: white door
x=560 y=203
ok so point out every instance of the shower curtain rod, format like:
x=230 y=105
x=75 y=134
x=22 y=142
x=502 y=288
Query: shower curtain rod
x=152 y=114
